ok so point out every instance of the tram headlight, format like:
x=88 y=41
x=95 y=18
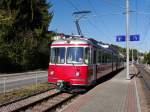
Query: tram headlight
x=77 y=73
x=51 y=72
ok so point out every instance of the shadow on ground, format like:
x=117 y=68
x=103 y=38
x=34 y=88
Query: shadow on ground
x=102 y=80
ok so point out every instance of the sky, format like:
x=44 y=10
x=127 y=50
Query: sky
x=106 y=20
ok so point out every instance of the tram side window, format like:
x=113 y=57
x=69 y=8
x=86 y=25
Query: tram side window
x=87 y=58
x=104 y=58
x=57 y=55
x=108 y=58
x=113 y=58
x=94 y=57
x=99 y=57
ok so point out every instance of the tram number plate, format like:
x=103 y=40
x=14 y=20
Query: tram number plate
x=60 y=81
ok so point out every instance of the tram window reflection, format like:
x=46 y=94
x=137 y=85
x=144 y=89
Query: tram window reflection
x=87 y=59
x=75 y=55
x=58 y=55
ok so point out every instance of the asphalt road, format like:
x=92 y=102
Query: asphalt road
x=18 y=81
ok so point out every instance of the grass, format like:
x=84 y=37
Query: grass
x=23 y=92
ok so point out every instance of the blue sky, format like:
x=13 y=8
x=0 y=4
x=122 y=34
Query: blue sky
x=106 y=20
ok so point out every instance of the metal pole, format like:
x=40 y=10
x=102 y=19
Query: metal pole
x=4 y=89
x=78 y=27
x=127 y=38
x=79 y=15
x=36 y=79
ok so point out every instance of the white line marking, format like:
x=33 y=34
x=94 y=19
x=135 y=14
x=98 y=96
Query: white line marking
x=137 y=96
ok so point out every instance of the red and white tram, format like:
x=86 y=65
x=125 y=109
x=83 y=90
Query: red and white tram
x=80 y=62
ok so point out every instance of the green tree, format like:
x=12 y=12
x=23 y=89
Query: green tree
x=23 y=28
x=147 y=58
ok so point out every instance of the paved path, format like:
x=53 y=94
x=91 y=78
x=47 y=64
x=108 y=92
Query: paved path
x=17 y=81
x=115 y=95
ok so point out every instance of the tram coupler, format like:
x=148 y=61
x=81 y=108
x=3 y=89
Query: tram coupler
x=62 y=86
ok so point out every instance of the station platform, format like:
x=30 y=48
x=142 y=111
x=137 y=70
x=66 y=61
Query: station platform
x=114 y=95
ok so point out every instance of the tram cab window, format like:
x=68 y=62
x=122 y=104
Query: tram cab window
x=75 y=55
x=58 y=55
x=87 y=58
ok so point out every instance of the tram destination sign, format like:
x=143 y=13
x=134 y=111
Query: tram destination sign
x=122 y=38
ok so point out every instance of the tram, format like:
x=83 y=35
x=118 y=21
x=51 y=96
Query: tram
x=77 y=62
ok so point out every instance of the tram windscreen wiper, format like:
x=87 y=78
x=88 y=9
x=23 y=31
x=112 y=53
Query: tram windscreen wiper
x=74 y=65
x=55 y=61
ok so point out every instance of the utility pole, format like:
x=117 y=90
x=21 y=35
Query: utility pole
x=127 y=39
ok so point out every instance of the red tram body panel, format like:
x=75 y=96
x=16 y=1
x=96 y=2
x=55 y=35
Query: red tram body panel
x=68 y=74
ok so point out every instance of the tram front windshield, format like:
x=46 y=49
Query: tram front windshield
x=58 y=55
x=74 y=55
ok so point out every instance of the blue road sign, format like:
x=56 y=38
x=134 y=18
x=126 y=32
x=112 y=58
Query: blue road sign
x=134 y=37
x=120 y=38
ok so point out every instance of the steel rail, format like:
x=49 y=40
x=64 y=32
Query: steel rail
x=25 y=97
x=25 y=107
x=59 y=104
x=47 y=104
x=8 y=107
x=146 y=76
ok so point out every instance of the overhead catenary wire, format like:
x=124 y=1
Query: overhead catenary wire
x=92 y=24
x=70 y=2
x=146 y=31
x=112 y=4
x=99 y=30
x=136 y=19
x=104 y=25
x=137 y=12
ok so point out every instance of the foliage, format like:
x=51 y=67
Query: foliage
x=123 y=51
x=147 y=58
x=23 y=38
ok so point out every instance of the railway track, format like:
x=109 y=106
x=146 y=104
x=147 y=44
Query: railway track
x=144 y=78
x=145 y=75
x=47 y=101
x=24 y=97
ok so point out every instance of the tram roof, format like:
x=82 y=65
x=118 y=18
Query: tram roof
x=83 y=40
x=71 y=41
